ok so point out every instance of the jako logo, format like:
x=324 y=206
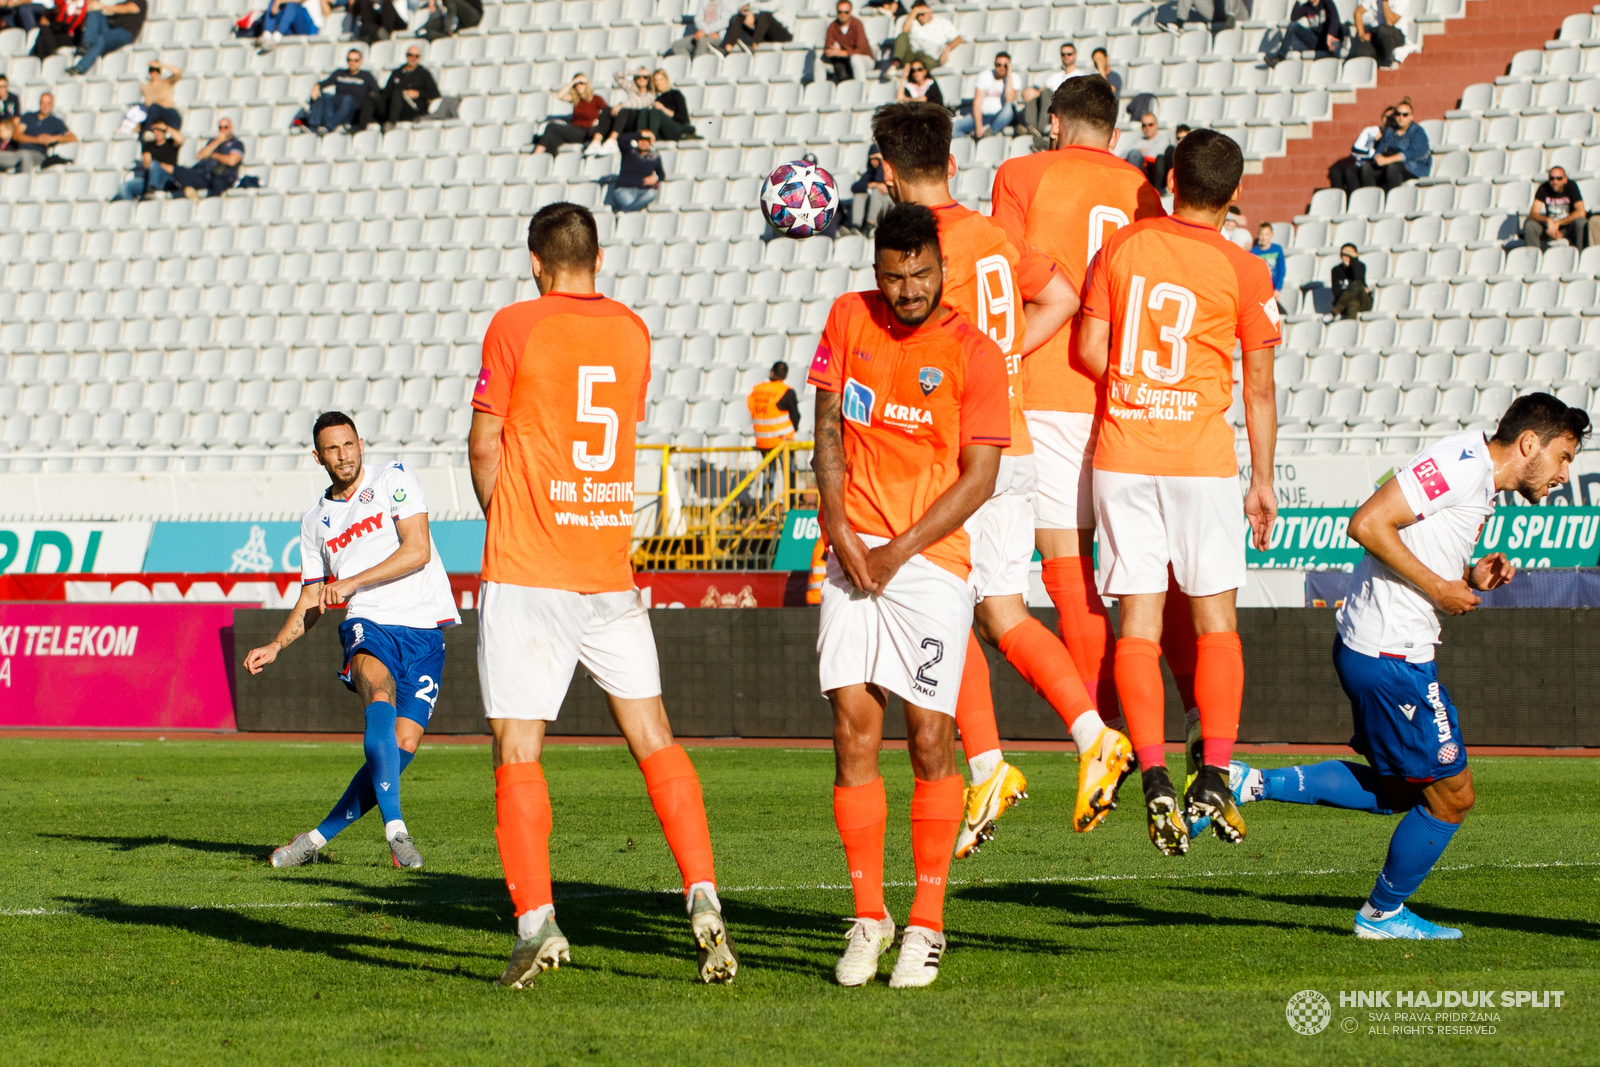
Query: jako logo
x=366 y=525
x=906 y=413
x=359 y=632
x=857 y=402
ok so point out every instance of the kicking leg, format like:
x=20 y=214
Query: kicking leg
x=376 y=688
x=1418 y=842
x=675 y=794
x=936 y=802
x=861 y=812
x=1332 y=783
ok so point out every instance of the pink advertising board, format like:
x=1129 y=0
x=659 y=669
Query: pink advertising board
x=158 y=666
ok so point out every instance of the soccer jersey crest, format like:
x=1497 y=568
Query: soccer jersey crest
x=929 y=378
x=858 y=402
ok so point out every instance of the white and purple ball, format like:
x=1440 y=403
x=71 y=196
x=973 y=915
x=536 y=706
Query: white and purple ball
x=799 y=199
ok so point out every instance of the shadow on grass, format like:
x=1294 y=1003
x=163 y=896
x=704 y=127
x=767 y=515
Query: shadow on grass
x=1092 y=908
x=1549 y=926
x=242 y=849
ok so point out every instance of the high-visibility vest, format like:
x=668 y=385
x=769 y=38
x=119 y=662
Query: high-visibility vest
x=819 y=570
x=772 y=424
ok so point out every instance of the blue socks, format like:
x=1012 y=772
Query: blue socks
x=1336 y=783
x=383 y=758
x=1416 y=846
x=359 y=798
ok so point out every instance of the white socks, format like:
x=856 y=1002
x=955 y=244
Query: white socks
x=394 y=828
x=710 y=890
x=529 y=922
x=317 y=838
x=983 y=765
x=1085 y=730
x=1369 y=912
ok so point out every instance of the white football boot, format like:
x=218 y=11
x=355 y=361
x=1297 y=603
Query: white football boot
x=918 y=965
x=865 y=941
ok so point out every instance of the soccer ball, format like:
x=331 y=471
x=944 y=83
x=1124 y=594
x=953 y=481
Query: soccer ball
x=799 y=199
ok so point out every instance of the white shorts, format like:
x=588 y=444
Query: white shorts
x=1002 y=532
x=911 y=639
x=530 y=640
x=1147 y=521
x=1063 y=449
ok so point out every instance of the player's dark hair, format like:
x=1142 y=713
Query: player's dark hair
x=1209 y=166
x=327 y=421
x=780 y=369
x=907 y=228
x=1545 y=416
x=914 y=138
x=1088 y=101
x=564 y=235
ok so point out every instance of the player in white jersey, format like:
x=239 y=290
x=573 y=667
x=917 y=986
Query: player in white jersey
x=365 y=545
x=1419 y=530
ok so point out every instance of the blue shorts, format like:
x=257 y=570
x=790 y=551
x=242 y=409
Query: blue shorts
x=1405 y=723
x=413 y=657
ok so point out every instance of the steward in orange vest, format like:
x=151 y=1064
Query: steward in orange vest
x=774 y=409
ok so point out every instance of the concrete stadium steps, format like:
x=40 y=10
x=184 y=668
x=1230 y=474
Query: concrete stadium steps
x=1477 y=47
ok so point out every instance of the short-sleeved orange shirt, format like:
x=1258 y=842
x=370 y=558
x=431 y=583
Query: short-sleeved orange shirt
x=1178 y=296
x=569 y=374
x=1065 y=203
x=990 y=278
x=911 y=400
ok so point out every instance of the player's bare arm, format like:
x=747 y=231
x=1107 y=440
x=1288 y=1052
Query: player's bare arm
x=1261 y=426
x=483 y=455
x=829 y=469
x=1094 y=345
x=1376 y=527
x=980 y=464
x=307 y=610
x=415 y=550
x=1491 y=572
x=1048 y=312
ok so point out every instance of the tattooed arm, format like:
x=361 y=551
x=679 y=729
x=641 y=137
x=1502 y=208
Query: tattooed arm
x=828 y=464
x=304 y=616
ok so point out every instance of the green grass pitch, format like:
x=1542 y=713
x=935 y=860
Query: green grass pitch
x=140 y=924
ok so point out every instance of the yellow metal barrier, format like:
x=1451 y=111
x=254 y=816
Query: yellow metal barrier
x=717 y=508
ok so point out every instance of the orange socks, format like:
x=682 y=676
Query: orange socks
x=1044 y=663
x=975 y=704
x=675 y=794
x=936 y=810
x=1144 y=698
x=861 y=812
x=1085 y=626
x=522 y=828
x=1219 y=690
x=1178 y=642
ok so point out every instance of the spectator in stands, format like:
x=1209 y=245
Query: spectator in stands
x=42 y=130
x=1359 y=172
x=1351 y=296
x=774 y=409
x=1381 y=30
x=23 y=15
x=10 y=104
x=446 y=17
x=918 y=84
x=994 y=101
x=1236 y=228
x=1271 y=253
x=846 y=50
x=342 y=106
x=752 y=26
x=406 y=96
x=587 y=107
x=1314 y=26
x=157 y=91
x=157 y=162
x=701 y=38
x=1102 y=67
x=1232 y=12
x=870 y=197
x=1403 y=153
x=13 y=156
x=668 y=114
x=60 y=28
x=375 y=20
x=108 y=27
x=1035 y=112
x=216 y=169
x=1557 y=212
x=639 y=175
x=925 y=37
x=287 y=18
x=1149 y=152
x=623 y=116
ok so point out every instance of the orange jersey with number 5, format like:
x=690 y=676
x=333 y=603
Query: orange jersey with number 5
x=1066 y=203
x=1179 y=297
x=989 y=278
x=568 y=373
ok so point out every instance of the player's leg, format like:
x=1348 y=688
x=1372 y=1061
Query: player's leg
x=618 y=648
x=996 y=785
x=1416 y=845
x=861 y=813
x=378 y=691
x=1332 y=783
x=936 y=806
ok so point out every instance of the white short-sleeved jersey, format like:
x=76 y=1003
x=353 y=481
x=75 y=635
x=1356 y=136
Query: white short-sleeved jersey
x=342 y=538
x=1450 y=488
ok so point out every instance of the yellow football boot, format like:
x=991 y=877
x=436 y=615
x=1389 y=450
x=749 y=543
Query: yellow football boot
x=986 y=802
x=1100 y=771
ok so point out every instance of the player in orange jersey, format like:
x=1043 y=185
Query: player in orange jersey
x=551 y=449
x=910 y=421
x=1168 y=300
x=1020 y=299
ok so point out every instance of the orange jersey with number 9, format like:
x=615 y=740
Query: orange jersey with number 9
x=568 y=373
x=1066 y=203
x=1179 y=297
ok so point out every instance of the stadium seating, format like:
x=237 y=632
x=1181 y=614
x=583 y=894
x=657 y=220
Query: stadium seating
x=208 y=335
